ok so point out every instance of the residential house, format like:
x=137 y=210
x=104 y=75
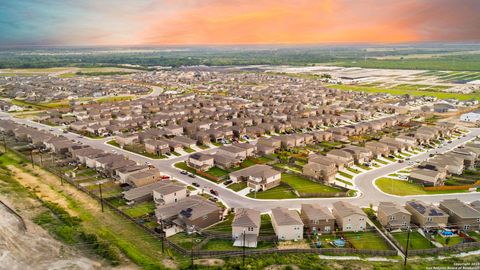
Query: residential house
x=317 y=218
x=191 y=213
x=461 y=215
x=341 y=158
x=287 y=224
x=169 y=192
x=321 y=168
x=393 y=216
x=258 y=177
x=157 y=147
x=426 y=216
x=246 y=226
x=200 y=161
x=349 y=217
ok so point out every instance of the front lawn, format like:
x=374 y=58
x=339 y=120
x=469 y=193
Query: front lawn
x=216 y=171
x=405 y=188
x=366 y=240
x=417 y=241
x=188 y=150
x=344 y=174
x=237 y=186
x=279 y=192
x=355 y=171
x=184 y=166
x=302 y=184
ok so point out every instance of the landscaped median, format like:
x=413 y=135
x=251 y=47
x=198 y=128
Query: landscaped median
x=405 y=188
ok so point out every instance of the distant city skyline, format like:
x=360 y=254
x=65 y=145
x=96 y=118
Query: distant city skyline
x=217 y=22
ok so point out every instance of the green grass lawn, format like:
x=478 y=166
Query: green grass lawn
x=366 y=240
x=355 y=171
x=302 y=184
x=279 y=192
x=364 y=167
x=203 y=147
x=266 y=227
x=186 y=241
x=188 y=150
x=344 y=174
x=184 y=166
x=343 y=181
x=224 y=226
x=237 y=186
x=216 y=171
x=139 y=209
x=381 y=161
x=402 y=91
x=475 y=236
x=405 y=188
x=417 y=241
x=453 y=240
x=247 y=163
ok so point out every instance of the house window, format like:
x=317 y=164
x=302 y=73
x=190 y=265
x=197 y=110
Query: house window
x=466 y=227
x=429 y=218
x=205 y=217
x=404 y=217
x=392 y=217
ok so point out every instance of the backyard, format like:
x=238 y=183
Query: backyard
x=366 y=240
x=417 y=241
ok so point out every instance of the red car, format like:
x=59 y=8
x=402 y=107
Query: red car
x=165 y=177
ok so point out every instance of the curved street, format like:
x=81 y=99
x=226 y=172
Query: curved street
x=364 y=182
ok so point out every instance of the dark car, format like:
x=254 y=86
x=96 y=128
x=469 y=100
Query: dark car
x=391 y=156
x=431 y=155
x=214 y=192
x=191 y=175
x=184 y=172
x=400 y=161
x=228 y=182
x=195 y=184
x=449 y=141
x=213 y=199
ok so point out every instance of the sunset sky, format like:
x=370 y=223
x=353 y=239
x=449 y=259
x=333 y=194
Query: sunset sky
x=192 y=22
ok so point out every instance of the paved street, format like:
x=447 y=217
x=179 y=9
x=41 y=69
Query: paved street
x=364 y=182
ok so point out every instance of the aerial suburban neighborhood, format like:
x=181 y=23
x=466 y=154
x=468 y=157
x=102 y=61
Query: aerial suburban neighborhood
x=239 y=135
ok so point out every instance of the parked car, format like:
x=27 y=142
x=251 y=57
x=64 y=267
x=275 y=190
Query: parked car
x=391 y=156
x=165 y=177
x=213 y=199
x=431 y=155
x=184 y=172
x=191 y=175
x=214 y=192
x=402 y=177
x=449 y=141
x=400 y=161
x=228 y=182
x=195 y=184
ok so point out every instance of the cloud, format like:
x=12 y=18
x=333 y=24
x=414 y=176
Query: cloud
x=147 y=22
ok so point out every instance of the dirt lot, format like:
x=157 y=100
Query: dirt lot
x=35 y=248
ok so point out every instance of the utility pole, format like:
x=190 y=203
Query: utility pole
x=31 y=158
x=101 y=196
x=243 y=259
x=191 y=251
x=4 y=144
x=163 y=234
x=406 y=249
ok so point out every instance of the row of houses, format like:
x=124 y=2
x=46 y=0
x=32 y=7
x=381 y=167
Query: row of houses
x=434 y=171
x=325 y=167
x=345 y=217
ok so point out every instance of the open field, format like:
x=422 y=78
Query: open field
x=393 y=91
x=302 y=184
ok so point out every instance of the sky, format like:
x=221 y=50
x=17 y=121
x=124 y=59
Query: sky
x=228 y=22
